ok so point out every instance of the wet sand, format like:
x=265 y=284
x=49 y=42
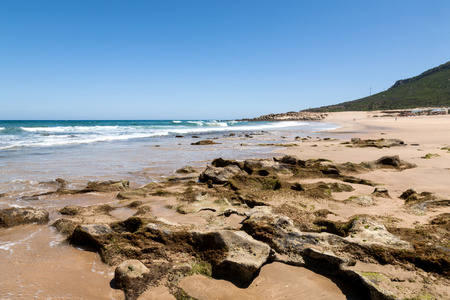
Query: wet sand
x=275 y=281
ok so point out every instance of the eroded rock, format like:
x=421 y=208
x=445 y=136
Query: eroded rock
x=219 y=175
x=19 y=216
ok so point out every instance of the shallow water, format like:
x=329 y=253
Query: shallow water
x=38 y=265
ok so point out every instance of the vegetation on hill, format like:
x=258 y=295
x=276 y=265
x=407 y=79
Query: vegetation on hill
x=429 y=89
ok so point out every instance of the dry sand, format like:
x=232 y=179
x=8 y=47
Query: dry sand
x=422 y=134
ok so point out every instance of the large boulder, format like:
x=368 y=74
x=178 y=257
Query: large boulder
x=132 y=276
x=89 y=235
x=244 y=257
x=219 y=175
x=18 y=216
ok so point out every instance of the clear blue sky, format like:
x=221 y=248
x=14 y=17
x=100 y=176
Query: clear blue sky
x=205 y=59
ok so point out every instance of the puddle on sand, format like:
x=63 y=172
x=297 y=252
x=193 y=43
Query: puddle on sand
x=41 y=267
x=123 y=213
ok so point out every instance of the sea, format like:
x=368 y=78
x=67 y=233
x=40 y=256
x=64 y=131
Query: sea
x=33 y=152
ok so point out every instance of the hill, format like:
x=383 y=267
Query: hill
x=429 y=89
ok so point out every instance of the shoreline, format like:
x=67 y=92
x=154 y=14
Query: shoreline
x=422 y=135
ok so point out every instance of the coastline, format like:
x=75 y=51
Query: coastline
x=421 y=135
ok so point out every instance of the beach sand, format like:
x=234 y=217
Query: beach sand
x=61 y=271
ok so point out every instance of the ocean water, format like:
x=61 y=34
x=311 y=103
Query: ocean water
x=33 y=152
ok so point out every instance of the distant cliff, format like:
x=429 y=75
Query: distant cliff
x=290 y=116
x=429 y=89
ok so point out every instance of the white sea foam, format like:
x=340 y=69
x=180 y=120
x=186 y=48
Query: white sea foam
x=8 y=245
x=176 y=121
x=215 y=123
x=199 y=123
x=59 y=129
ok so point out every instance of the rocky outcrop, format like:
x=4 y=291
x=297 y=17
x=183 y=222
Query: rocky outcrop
x=219 y=175
x=236 y=241
x=245 y=255
x=289 y=116
x=19 y=216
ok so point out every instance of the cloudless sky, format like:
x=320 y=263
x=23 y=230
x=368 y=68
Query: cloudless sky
x=208 y=59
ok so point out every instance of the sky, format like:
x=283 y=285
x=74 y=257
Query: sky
x=208 y=59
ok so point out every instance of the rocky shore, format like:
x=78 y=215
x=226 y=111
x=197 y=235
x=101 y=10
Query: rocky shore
x=289 y=116
x=303 y=224
x=259 y=212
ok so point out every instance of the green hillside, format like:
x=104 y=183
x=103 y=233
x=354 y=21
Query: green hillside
x=429 y=89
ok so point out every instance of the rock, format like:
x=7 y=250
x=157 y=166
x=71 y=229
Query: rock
x=61 y=182
x=408 y=193
x=393 y=161
x=381 y=192
x=107 y=186
x=219 y=175
x=256 y=165
x=289 y=116
x=361 y=200
x=380 y=143
x=158 y=230
x=89 y=235
x=30 y=198
x=230 y=211
x=244 y=257
x=280 y=233
x=221 y=163
x=186 y=170
x=19 y=216
x=65 y=226
x=70 y=210
x=204 y=142
x=368 y=232
x=297 y=187
x=290 y=160
x=318 y=260
x=132 y=276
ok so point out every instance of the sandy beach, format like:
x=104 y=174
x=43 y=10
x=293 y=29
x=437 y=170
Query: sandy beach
x=43 y=269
